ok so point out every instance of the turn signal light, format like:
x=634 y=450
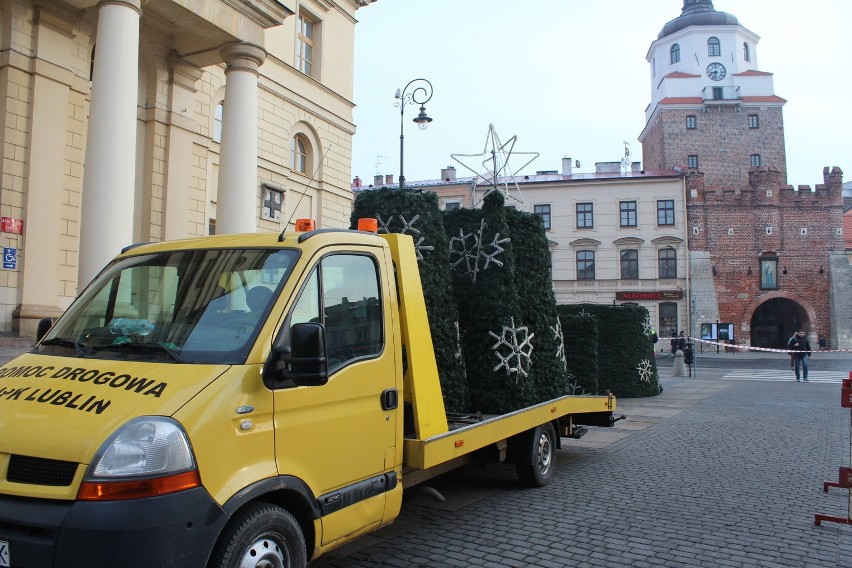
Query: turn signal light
x=303 y=225
x=120 y=491
x=368 y=224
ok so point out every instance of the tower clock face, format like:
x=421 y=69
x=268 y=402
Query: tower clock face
x=716 y=71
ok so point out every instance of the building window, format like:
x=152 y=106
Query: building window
x=217 y=122
x=668 y=262
x=585 y=216
x=305 y=44
x=753 y=121
x=627 y=210
x=755 y=160
x=543 y=211
x=299 y=154
x=452 y=205
x=675 y=53
x=665 y=212
x=691 y=122
x=746 y=54
x=714 y=48
x=272 y=200
x=585 y=265
x=668 y=319
x=692 y=162
x=630 y=265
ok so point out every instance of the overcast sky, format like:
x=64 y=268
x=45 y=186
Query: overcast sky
x=569 y=78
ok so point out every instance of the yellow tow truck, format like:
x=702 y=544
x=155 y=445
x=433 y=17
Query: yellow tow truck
x=240 y=401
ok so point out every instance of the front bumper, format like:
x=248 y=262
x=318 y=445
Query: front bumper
x=176 y=530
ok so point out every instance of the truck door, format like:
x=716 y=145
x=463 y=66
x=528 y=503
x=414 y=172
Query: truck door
x=340 y=437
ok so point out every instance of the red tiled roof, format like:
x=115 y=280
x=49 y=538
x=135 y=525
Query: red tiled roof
x=751 y=72
x=771 y=99
x=681 y=101
x=681 y=75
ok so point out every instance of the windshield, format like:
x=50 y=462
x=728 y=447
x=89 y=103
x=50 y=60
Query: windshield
x=198 y=306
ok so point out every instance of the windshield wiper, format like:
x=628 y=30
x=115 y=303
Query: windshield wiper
x=66 y=342
x=132 y=346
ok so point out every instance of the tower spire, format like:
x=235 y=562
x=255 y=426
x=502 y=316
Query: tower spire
x=696 y=6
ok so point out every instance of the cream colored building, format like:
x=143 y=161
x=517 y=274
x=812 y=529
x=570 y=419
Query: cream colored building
x=615 y=237
x=115 y=130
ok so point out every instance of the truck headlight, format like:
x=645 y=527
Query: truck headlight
x=147 y=456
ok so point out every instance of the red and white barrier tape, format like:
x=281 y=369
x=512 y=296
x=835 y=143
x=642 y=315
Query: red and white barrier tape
x=749 y=347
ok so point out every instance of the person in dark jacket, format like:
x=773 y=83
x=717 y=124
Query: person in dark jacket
x=800 y=351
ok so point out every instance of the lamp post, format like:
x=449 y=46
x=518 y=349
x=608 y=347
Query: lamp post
x=420 y=94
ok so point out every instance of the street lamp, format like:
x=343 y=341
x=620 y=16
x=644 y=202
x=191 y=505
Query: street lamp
x=420 y=94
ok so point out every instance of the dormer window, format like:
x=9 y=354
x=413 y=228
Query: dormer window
x=714 y=48
x=746 y=54
x=675 y=53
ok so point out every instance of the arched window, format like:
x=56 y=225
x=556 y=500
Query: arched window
x=217 y=122
x=714 y=48
x=299 y=154
x=746 y=54
x=668 y=263
x=675 y=53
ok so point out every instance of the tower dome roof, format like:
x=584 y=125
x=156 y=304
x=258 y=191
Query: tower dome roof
x=698 y=13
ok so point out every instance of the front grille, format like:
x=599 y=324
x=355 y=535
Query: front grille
x=38 y=471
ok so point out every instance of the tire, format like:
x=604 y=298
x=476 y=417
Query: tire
x=538 y=457
x=262 y=535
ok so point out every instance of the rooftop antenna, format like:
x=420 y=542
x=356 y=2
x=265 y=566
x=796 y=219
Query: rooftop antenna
x=379 y=163
x=307 y=185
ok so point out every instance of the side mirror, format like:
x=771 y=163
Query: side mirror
x=44 y=325
x=304 y=360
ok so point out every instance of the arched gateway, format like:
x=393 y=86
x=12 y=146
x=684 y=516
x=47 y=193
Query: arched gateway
x=775 y=320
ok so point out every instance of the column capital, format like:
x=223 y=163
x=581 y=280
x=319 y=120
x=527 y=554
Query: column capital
x=243 y=56
x=133 y=4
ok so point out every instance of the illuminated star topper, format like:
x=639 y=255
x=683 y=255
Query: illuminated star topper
x=491 y=167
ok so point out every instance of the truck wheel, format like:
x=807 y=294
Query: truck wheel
x=537 y=464
x=261 y=536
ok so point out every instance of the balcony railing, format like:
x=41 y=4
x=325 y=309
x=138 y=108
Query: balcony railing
x=721 y=93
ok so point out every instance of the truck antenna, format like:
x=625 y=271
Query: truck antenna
x=307 y=185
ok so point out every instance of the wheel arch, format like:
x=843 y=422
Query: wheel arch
x=288 y=492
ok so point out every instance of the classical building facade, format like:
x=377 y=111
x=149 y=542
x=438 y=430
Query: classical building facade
x=616 y=236
x=144 y=120
x=765 y=256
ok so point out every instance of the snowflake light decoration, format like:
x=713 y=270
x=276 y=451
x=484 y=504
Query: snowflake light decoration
x=560 y=343
x=646 y=325
x=491 y=167
x=406 y=229
x=468 y=251
x=518 y=358
x=646 y=371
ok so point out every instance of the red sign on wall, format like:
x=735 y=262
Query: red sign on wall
x=10 y=225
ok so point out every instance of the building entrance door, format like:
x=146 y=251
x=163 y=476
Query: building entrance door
x=775 y=320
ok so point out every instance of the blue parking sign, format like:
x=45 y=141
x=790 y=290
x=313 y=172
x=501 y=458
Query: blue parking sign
x=10 y=258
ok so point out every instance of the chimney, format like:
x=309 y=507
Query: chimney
x=566 y=166
x=356 y=182
x=448 y=173
x=389 y=179
x=377 y=180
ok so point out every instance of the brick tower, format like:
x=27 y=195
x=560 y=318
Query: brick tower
x=763 y=256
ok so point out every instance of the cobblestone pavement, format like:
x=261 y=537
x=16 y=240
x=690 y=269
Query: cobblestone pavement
x=712 y=472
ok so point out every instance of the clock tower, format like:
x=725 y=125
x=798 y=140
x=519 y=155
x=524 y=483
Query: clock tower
x=712 y=109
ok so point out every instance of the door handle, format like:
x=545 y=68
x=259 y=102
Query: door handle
x=390 y=399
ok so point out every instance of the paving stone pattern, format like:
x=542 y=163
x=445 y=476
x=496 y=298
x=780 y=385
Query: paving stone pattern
x=711 y=473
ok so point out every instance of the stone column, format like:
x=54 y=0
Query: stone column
x=109 y=180
x=236 y=209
